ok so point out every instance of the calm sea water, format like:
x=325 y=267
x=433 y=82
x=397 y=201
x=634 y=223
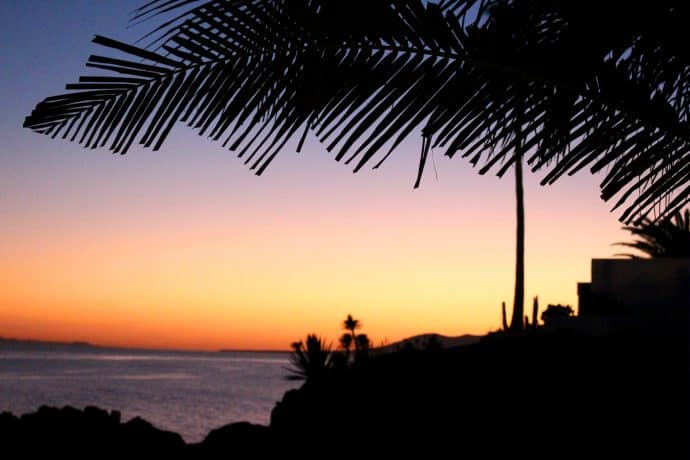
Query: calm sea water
x=189 y=393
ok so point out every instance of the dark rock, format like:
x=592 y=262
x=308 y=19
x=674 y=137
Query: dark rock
x=7 y=419
x=241 y=440
x=93 y=412
x=142 y=437
x=92 y=433
x=237 y=433
x=8 y=427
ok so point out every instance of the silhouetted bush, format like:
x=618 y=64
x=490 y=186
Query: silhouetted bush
x=311 y=360
x=556 y=311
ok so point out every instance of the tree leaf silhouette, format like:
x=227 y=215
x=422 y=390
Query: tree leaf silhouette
x=590 y=85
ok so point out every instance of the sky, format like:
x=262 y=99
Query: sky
x=185 y=248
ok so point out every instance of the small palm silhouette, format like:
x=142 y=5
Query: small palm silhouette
x=350 y=324
x=668 y=238
x=310 y=360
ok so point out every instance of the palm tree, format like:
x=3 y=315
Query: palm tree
x=516 y=323
x=559 y=85
x=668 y=238
x=350 y=324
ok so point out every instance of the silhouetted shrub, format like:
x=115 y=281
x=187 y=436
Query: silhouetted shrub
x=310 y=360
x=556 y=311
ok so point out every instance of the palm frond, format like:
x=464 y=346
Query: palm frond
x=574 y=86
x=667 y=238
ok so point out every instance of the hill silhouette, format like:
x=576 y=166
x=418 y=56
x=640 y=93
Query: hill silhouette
x=424 y=341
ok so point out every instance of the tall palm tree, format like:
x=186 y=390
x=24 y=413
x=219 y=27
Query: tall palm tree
x=668 y=238
x=516 y=323
x=559 y=85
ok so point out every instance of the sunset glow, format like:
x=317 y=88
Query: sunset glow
x=185 y=248
x=234 y=261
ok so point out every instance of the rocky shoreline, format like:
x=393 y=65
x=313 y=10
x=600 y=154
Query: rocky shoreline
x=96 y=433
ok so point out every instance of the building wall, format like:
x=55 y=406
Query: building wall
x=638 y=286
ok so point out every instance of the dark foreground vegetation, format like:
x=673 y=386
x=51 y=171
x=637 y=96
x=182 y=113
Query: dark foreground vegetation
x=538 y=395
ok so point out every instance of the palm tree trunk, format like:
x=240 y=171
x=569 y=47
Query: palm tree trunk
x=516 y=323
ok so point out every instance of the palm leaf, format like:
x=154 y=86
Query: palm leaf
x=574 y=86
x=666 y=238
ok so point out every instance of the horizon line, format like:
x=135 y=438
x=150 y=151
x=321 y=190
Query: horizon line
x=87 y=344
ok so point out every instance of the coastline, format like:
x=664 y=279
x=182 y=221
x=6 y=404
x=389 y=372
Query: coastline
x=619 y=395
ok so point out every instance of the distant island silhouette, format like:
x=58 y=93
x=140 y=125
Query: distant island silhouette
x=38 y=344
x=29 y=344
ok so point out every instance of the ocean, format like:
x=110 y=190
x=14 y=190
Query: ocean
x=190 y=393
